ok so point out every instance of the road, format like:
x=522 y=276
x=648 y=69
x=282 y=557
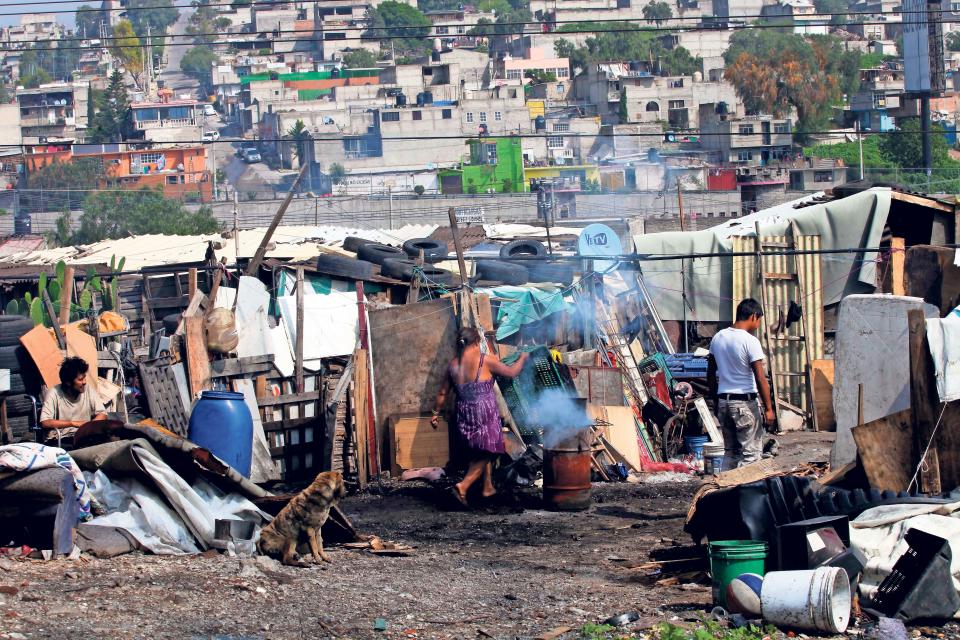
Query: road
x=171 y=75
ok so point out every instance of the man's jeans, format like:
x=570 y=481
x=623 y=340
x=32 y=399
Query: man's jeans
x=742 y=424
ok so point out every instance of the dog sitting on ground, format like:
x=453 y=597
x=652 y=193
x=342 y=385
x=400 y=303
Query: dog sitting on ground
x=302 y=518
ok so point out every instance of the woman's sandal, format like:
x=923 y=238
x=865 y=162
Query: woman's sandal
x=462 y=499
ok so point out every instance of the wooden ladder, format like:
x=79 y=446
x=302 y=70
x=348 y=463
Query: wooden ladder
x=770 y=337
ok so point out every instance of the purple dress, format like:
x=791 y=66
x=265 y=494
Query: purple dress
x=478 y=418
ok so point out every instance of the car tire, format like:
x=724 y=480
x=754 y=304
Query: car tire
x=345 y=267
x=433 y=250
x=352 y=243
x=398 y=268
x=555 y=272
x=11 y=328
x=436 y=277
x=523 y=248
x=377 y=253
x=505 y=272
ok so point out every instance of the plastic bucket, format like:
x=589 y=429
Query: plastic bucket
x=694 y=445
x=732 y=558
x=817 y=600
x=712 y=458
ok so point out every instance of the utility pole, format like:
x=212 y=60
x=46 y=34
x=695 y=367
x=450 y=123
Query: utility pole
x=390 y=200
x=860 y=145
x=926 y=143
x=236 y=226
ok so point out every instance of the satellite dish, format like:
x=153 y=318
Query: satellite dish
x=599 y=241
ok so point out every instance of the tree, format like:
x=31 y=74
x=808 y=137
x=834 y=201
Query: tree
x=113 y=121
x=153 y=17
x=118 y=214
x=359 y=59
x=622 y=110
x=836 y=9
x=127 y=49
x=88 y=21
x=301 y=136
x=198 y=62
x=774 y=71
x=35 y=79
x=337 y=172
x=58 y=62
x=630 y=45
x=904 y=147
x=657 y=11
x=953 y=41
x=513 y=21
x=539 y=76
x=222 y=23
x=403 y=27
x=61 y=185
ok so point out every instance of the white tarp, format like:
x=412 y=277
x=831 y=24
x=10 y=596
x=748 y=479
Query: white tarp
x=178 y=519
x=943 y=336
x=329 y=323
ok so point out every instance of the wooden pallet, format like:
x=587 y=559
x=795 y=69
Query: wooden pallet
x=163 y=395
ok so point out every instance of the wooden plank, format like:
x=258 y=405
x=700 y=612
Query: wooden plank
x=885 y=447
x=416 y=444
x=288 y=399
x=197 y=302
x=930 y=473
x=66 y=295
x=254 y=265
x=458 y=247
x=361 y=415
x=245 y=366
x=898 y=257
x=924 y=399
x=298 y=347
x=51 y=314
x=621 y=432
x=4 y=425
x=822 y=373
x=45 y=354
x=198 y=362
x=191 y=282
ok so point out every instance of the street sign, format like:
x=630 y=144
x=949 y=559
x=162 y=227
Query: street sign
x=469 y=215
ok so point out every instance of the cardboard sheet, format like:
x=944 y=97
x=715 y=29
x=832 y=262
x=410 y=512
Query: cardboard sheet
x=82 y=345
x=43 y=349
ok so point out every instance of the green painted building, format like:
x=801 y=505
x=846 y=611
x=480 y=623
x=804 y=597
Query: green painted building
x=495 y=165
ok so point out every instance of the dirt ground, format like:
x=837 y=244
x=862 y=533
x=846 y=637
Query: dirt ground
x=501 y=572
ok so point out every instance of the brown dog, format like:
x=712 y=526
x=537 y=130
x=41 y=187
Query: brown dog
x=303 y=516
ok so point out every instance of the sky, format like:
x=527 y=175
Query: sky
x=66 y=18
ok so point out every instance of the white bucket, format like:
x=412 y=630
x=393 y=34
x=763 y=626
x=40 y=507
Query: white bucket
x=713 y=457
x=817 y=600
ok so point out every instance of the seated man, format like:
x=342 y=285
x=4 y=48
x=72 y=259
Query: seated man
x=71 y=403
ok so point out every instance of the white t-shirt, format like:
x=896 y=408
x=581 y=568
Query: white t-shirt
x=735 y=351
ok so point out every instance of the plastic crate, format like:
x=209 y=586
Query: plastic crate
x=539 y=374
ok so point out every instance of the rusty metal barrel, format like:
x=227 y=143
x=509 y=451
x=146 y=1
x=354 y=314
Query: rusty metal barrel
x=566 y=474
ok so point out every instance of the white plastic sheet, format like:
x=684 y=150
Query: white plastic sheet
x=943 y=336
x=329 y=322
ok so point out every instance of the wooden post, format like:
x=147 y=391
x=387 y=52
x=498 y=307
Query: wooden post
x=680 y=204
x=191 y=282
x=456 y=245
x=360 y=421
x=66 y=294
x=924 y=400
x=57 y=331
x=373 y=444
x=298 y=353
x=898 y=258
x=262 y=249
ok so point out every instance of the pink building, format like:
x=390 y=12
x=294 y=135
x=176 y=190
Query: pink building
x=514 y=70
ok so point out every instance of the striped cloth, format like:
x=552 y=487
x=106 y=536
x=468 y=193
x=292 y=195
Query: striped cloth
x=32 y=456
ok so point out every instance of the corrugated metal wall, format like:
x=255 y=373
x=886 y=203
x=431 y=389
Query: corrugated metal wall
x=785 y=355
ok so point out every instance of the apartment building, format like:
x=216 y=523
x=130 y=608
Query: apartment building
x=181 y=172
x=745 y=140
x=879 y=95
x=56 y=111
x=168 y=120
x=803 y=14
x=513 y=71
x=672 y=100
x=451 y=26
x=339 y=27
x=34 y=27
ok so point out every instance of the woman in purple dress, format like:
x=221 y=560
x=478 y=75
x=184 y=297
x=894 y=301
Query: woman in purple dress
x=478 y=418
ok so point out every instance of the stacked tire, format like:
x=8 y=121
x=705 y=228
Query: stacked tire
x=25 y=378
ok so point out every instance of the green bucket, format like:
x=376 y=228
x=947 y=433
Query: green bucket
x=732 y=558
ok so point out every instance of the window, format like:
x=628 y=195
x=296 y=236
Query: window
x=514 y=74
x=823 y=176
x=497 y=116
x=561 y=87
x=171 y=179
x=561 y=126
x=676 y=104
x=652 y=106
x=391 y=116
x=781 y=127
x=555 y=142
x=491 y=150
x=446 y=114
x=743 y=156
x=746 y=129
x=483 y=116
x=418 y=115
x=442 y=31
x=469 y=116
x=563 y=72
x=147 y=158
x=461 y=29
x=335 y=36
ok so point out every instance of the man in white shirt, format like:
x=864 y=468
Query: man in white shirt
x=737 y=380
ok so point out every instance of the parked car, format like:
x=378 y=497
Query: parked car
x=208 y=110
x=244 y=147
x=251 y=156
x=210 y=136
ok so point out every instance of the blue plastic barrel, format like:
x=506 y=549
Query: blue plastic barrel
x=694 y=444
x=221 y=423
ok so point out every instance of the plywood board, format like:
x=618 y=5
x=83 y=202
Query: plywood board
x=621 y=432
x=45 y=353
x=198 y=362
x=885 y=447
x=82 y=345
x=822 y=371
x=410 y=350
x=599 y=385
x=416 y=444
